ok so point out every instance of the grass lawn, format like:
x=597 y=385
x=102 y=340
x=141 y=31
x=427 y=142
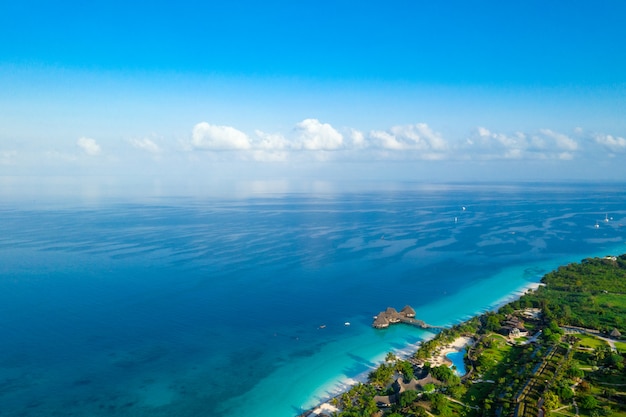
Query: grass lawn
x=621 y=347
x=590 y=341
x=494 y=356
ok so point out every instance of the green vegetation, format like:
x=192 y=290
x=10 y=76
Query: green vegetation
x=590 y=294
x=564 y=355
x=591 y=342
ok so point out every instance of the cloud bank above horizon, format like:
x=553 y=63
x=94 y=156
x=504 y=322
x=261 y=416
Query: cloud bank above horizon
x=315 y=142
x=314 y=139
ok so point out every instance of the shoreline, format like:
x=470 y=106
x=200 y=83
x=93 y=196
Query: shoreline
x=514 y=296
x=321 y=403
x=441 y=358
x=325 y=393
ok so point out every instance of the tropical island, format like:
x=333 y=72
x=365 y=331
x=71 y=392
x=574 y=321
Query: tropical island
x=558 y=350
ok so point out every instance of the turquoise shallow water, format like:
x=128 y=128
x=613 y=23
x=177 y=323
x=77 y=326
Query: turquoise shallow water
x=214 y=306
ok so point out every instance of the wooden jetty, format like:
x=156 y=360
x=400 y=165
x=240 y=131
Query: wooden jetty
x=407 y=316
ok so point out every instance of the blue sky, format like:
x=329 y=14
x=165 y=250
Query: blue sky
x=324 y=90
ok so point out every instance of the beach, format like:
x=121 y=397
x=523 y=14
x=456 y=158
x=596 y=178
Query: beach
x=441 y=356
x=320 y=403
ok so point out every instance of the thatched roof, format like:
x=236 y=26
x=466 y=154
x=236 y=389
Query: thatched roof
x=391 y=316
x=381 y=321
x=408 y=311
x=385 y=400
x=616 y=333
x=391 y=311
x=400 y=386
x=428 y=379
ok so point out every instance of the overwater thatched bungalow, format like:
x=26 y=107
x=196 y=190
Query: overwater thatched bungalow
x=408 y=311
x=381 y=321
x=391 y=316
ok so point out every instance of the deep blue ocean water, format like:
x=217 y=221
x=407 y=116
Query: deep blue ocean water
x=236 y=306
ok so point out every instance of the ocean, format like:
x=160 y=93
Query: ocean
x=261 y=304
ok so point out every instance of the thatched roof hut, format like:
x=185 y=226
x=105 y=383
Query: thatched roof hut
x=615 y=333
x=392 y=315
x=399 y=386
x=408 y=311
x=381 y=321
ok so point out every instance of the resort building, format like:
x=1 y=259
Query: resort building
x=513 y=327
x=408 y=311
x=392 y=316
x=381 y=321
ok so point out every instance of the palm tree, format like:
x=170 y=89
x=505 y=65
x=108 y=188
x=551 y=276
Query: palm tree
x=391 y=357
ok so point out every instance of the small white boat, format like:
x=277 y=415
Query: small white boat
x=346 y=323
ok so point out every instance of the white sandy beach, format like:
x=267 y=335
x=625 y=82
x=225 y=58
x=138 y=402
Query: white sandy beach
x=438 y=359
x=515 y=295
x=323 y=408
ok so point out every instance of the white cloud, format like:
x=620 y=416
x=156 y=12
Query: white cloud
x=545 y=144
x=270 y=141
x=146 y=145
x=483 y=132
x=614 y=144
x=435 y=141
x=315 y=136
x=89 y=146
x=562 y=141
x=416 y=141
x=418 y=137
x=489 y=139
x=213 y=137
x=358 y=139
x=386 y=140
x=269 y=147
